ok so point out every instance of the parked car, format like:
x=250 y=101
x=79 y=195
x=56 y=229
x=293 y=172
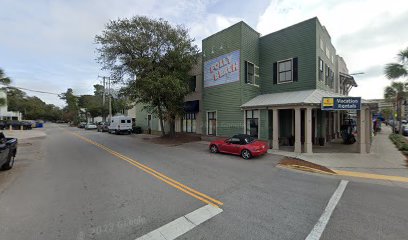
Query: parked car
x=240 y=144
x=120 y=124
x=82 y=124
x=8 y=151
x=90 y=126
x=405 y=129
x=102 y=127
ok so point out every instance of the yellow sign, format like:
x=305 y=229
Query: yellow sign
x=328 y=102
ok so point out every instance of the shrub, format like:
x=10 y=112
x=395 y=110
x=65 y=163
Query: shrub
x=137 y=129
x=400 y=142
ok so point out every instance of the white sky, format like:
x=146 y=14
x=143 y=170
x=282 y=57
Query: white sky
x=49 y=45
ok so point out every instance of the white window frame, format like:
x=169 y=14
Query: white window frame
x=255 y=75
x=259 y=121
x=321 y=44
x=277 y=71
x=206 y=122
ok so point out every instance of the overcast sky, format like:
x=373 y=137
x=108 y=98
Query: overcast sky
x=49 y=45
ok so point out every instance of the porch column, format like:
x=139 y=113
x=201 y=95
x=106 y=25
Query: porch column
x=369 y=128
x=330 y=125
x=338 y=123
x=308 y=130
x=275 y=129
x=362 y=131
x=298 y=142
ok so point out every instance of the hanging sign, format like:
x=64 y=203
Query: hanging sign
x=341 y=103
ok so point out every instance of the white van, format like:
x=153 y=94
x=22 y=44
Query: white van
x=120 y=124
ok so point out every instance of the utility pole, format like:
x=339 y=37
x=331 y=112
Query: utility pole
x=109 y=95
x=110 y=101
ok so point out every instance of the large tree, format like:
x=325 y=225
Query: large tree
x=396 y=93
x=153 y=59
x=4 y=80
x=71 y=111
x=400 y=69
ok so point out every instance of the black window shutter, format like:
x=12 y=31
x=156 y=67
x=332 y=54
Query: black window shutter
x=275 y=73
x=295 y=69
x=246 y=72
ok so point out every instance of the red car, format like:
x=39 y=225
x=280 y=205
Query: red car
x=241 y=144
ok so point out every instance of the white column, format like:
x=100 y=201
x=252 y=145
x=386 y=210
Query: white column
x=362 y=131
x=298 y=143
x=275 y=129
x=338 y=122
x=369 y=128
x=308 y=130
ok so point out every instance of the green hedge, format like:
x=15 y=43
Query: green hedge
x=400 y=142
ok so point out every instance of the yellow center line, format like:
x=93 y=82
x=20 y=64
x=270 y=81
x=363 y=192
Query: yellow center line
x=192 y=192
x=371 y=176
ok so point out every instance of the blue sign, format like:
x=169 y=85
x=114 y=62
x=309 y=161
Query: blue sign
x=341 y=103
x=221 y=70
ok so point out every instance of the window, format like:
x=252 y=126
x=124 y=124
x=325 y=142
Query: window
x=122 y=121
x=249 y=73
x=252 y=122
x=321 y=44
x=285 y=71
x=321 y=69
x=129 y=121
x=328 y=53
x=212 y=123
x=189 y=123
x=192 y=83
x=327 y=75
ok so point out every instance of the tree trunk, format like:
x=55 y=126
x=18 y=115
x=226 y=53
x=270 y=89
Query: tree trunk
x=172 y=122
x=161 y=120
x=399 y=117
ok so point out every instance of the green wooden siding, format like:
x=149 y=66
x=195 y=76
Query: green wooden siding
x=295 y=41
x=227 y=99
x=321 y=33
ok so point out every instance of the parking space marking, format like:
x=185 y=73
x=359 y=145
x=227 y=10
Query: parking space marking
x=190 y=191
x=318 y=229
x=182 y=225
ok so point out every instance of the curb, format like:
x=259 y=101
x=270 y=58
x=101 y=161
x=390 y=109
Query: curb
x=305 y=169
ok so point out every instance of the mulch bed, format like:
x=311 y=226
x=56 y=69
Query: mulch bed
x=288 y=161
x=178 y=139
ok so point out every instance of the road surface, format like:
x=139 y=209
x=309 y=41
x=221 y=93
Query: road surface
x=78 y=184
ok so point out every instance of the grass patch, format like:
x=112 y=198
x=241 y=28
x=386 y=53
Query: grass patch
x=400 y=142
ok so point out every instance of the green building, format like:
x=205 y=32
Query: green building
x=270 y=87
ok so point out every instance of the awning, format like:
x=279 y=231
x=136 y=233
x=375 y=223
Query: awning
x=192 y=106
x=311 y=97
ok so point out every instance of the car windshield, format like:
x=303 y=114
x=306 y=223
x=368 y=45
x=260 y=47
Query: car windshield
x=249 y=139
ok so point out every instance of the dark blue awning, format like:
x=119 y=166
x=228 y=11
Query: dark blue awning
x=192 y=106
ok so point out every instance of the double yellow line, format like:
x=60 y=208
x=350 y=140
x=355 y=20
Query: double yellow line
x=194 y=193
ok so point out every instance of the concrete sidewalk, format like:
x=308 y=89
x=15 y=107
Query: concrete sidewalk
x=25 y=134
x=384 y=159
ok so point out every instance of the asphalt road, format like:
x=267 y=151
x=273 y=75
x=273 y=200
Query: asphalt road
x=65 y=187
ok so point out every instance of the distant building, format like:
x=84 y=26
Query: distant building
x=5 y=114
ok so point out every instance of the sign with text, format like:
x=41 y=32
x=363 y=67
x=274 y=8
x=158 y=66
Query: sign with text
x=221 y=70
x=341 y=103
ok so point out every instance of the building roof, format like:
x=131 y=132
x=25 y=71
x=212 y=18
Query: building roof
x=305 y=97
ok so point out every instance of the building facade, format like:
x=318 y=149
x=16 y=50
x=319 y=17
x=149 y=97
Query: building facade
x=270 y=87
x=5 y=114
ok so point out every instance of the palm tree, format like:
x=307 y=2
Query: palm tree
x=4 y=81
x=397 y=92
x=400 y=69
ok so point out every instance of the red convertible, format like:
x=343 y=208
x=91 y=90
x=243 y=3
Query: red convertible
x=241 y=144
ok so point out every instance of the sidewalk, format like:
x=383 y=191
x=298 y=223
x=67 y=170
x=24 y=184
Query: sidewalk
x=384 y=159
x=25 y=134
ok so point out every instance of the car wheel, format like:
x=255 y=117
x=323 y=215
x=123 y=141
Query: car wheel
x=246 y=154
x=213 y=149
x=10 y=162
